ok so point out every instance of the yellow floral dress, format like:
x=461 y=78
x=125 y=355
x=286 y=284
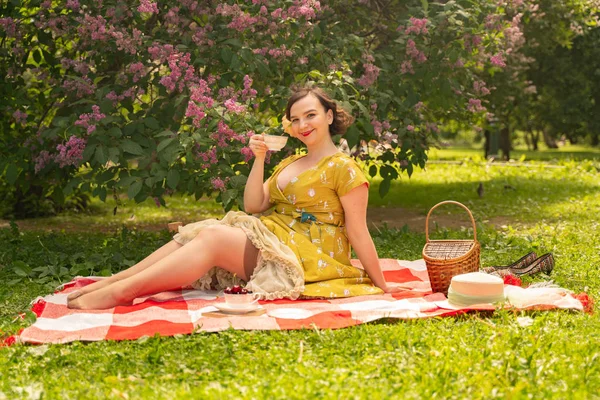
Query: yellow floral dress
x=309 y=219
x=304 y=248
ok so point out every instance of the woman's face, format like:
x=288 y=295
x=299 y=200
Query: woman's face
x=310 y=122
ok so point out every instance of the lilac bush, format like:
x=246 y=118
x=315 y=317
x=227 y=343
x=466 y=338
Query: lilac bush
x=150 y=98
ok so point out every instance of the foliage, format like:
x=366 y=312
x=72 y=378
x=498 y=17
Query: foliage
x=43 y=258
x=541 y=86
x=148 y=98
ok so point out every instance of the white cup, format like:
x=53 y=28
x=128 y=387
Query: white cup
x=275 y=142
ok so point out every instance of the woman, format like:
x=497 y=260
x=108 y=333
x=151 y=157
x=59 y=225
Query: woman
x=301 y=249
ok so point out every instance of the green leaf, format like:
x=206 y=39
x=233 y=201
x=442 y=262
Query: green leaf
x=113 y=154
x=12 y=173
x=352 y=136
x=373 y=171
x=384 y=187
x=37 y=56
x=164 y=133
x=151 y=123
x=409 y=169
x=317 y=33
x=115 y=131
x=425 y=5
x=226 y=55
x=126 y=181
x=315 y=74
x=238 y=181
x=88 y=152
x=21 y=268
x=100 y=155
x=367 y=126
x=229 y=196
x=142 y=195
x=362 y=108
x=233 y=42
x=132 y=147
x=235 y=62
x=173 y=178
x=263 y=69
x=58 y=196
x=246 y=55
x=162 y=145
x=134 y=189
x=102 y=193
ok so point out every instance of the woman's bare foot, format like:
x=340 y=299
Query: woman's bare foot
x=92 y=287
x=101 y=299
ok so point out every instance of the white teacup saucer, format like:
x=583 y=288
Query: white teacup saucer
x=237 y=309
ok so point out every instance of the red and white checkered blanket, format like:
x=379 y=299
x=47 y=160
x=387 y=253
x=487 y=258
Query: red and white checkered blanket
x=188 y=311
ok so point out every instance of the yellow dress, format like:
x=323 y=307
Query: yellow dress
x=309 y=219
x=303 y=246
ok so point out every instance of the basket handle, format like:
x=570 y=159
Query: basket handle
x=449 y=202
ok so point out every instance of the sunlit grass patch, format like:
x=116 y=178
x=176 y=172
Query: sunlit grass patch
x=563 y=153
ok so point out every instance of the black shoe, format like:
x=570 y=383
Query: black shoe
x=543 y=264
x=520 y=264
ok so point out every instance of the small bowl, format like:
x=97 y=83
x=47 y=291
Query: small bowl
x=240 y=300
x=274 y=142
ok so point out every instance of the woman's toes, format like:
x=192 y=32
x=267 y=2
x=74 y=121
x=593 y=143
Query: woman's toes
x=73 y=304
x=74 y=295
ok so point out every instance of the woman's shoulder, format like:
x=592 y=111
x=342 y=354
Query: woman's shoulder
x=342 y=159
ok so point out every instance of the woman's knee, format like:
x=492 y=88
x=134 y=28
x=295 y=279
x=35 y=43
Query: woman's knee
x=213 y=238
x=211 y=233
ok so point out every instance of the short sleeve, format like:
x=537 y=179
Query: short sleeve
x=348 y=175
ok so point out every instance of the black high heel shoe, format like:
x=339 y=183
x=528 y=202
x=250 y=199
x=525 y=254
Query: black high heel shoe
x=544 y=263
x=520 y=264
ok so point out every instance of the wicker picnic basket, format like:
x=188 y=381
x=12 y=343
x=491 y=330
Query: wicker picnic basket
x=448 y=258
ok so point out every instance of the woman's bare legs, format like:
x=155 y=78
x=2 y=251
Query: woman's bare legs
x=217 y=245
x=156 y=256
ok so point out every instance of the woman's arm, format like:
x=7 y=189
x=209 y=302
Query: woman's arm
x=355 y=210
x=256 y=193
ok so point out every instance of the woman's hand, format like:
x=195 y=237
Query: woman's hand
x=391 y=287
x=258 y=146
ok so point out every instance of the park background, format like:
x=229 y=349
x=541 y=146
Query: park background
x=118 y=117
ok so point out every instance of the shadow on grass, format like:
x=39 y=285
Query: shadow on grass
x=526 y=198
x=568 y=153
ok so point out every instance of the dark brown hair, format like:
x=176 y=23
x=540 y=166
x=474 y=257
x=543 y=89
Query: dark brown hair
x=341 y=118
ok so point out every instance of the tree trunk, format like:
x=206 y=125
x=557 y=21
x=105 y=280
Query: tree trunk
x=505 y=143
x=486 y=144
x=528 y=139
x=535 y=138
x=549 y=140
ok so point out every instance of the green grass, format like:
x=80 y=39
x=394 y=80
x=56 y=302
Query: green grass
x=564 y=153
x=472 y=356
x=102 y=216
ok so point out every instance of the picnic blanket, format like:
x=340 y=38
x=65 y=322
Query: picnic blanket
x=187 y=311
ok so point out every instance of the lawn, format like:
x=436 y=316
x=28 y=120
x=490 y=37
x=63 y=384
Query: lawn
x=548 y=205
